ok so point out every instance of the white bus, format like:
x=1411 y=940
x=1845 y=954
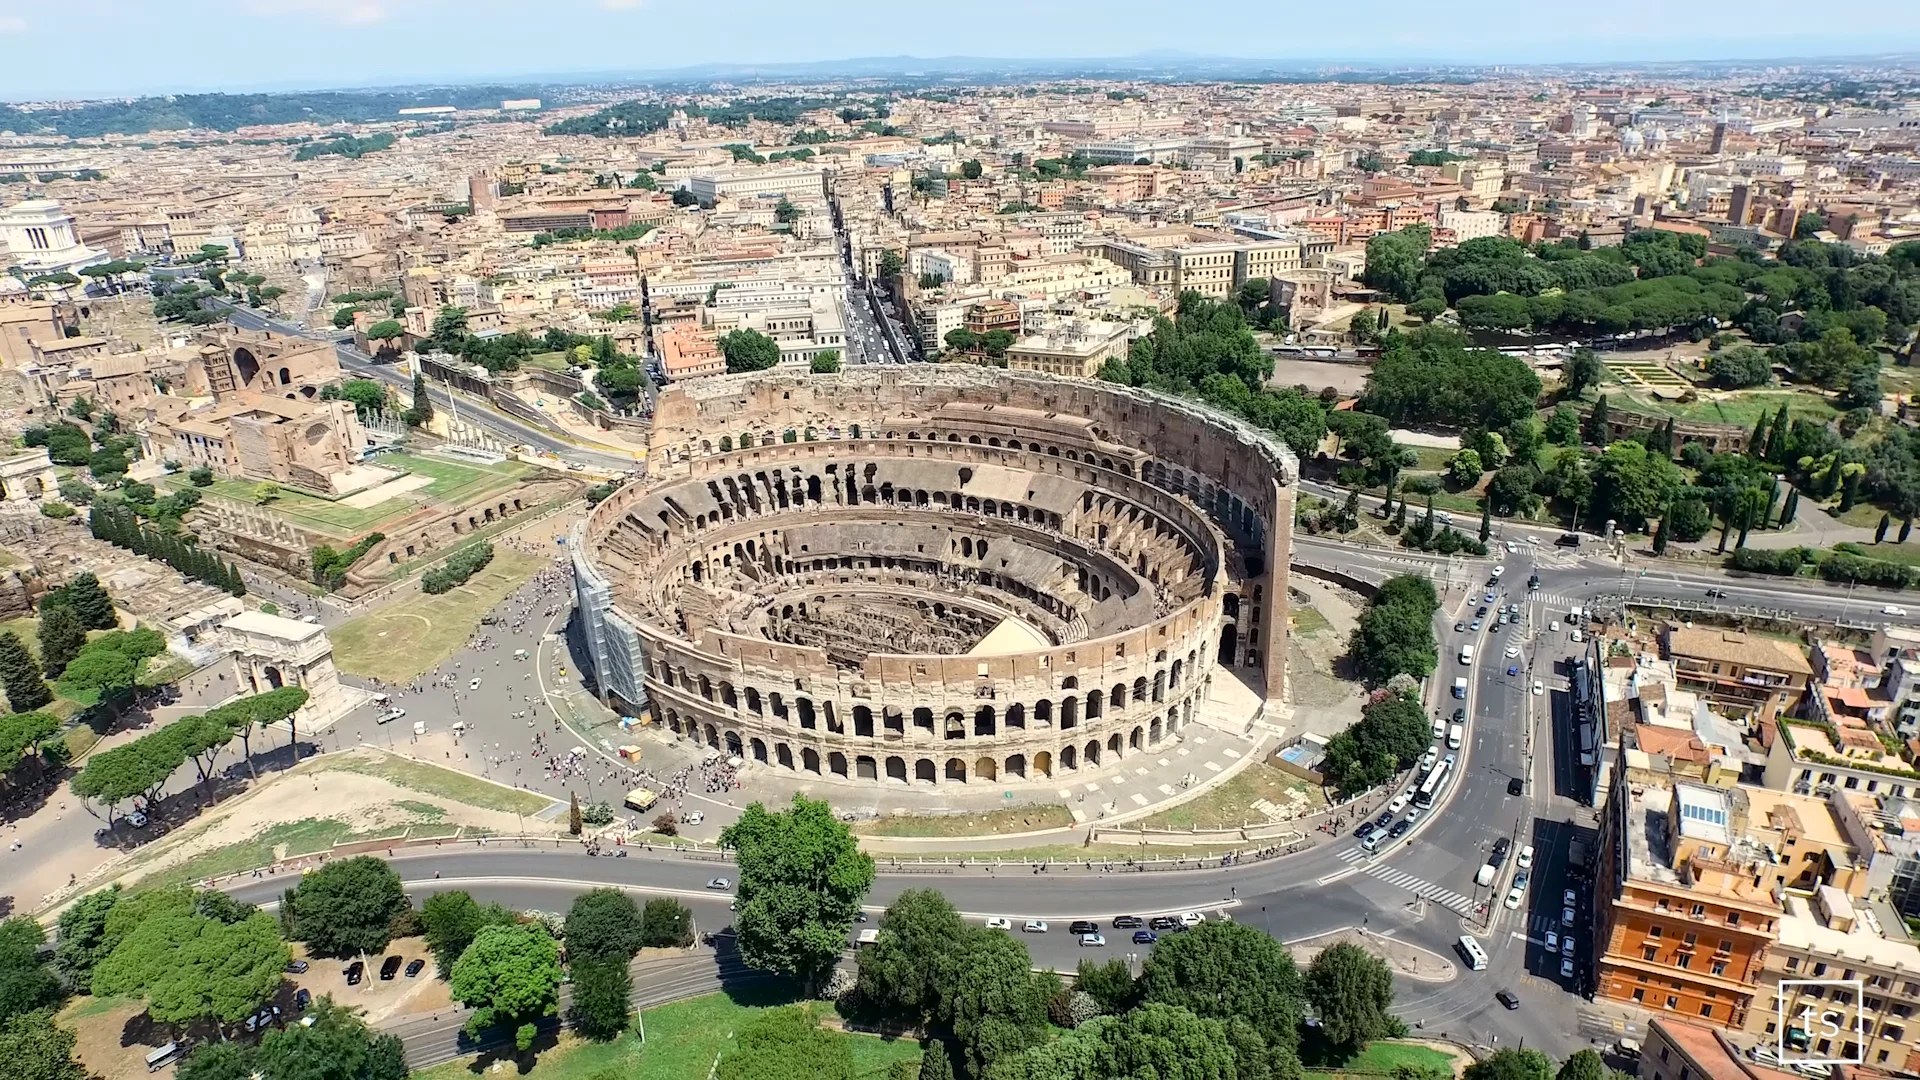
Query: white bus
x=1476 y=956
x=1436 y=780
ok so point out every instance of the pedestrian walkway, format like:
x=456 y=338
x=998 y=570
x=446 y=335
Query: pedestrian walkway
x=1422 y=888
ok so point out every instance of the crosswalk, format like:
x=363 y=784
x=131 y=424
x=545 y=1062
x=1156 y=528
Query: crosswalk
x=1400 y=879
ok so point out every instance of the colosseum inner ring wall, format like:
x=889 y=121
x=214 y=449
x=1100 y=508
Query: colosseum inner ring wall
x=937 y=574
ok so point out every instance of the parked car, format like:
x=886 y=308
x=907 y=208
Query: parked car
x=693 y=817
x=355 y=972
x=1566 y=946
x=1082 y=926
x=1515 y=785
x=391 y=967
x=296 y=967
x=1162 y=922
x=1525 y=859
x=1512 y=901
x=302 y=998
x=414 y=967
x=1191 y=918
x=1539 y=688
x=1035 y=926
x=1566 y=969
x=1566 y=916
x=1553 y=941
x=474 y=685
x=1400 y=829
x=1145 y=937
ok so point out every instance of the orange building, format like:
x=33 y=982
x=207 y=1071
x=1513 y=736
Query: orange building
x=1684 y=914
x=690 y=353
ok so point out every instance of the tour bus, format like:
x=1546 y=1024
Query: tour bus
x=1476 y=956
x=165 y=1056
x=641 y=799
x=1466 y=654
x=1436 y=780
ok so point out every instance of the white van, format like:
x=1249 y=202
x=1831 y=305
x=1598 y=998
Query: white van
x=1486 y=875
x=1459 y=691
x=1454 y=733
x=1466 y=654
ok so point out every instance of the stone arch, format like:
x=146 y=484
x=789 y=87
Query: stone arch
x=1017 y=766
x=924 y=772
x=1094 y=700
x=1117 y=699
x=734 y=745
x=897 y=769
x=274 y=679
x=1153 y=731
x=837 y=764
x=1069 y=713
x=1159 y=686
x=783 y=755
x=983 y=721
x=865 y=768
x=863 y=721
x=1113 y=744
x=956 y=770
x=1017 y=716
x=1092 y=753
x=759 y=746
x=986 y=769
x=810 y=758
x=1043 y=712
x=713 y=737
x=1069 y=757
x=1043 y=764
x=1229 y=644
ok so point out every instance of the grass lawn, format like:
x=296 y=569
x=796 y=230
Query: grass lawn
x=452 y=482
x=1307 y=620
x=411 y=636
x=1012 y=820
x=683 y=1040
x=434 y=780
x=1381 y=1057
x=303 y=837
x=1908 y=553
x=1742 y=409
x=1230 y=805
x=1431 y=458
x=549 y=361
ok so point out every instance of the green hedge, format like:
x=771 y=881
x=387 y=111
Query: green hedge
x=1842 y=566
x=459 y=566
x=1786 y=562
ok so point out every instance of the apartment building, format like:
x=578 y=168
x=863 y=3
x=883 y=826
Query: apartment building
x=1830 y=935
x=1213 y=264
x=688 y=352
x=1683 y=918
x=1744 y=675
x=710 y=187
x=1073 y=348
x=1676 y=1050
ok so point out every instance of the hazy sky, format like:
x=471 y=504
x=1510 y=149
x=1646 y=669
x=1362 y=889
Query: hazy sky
x=106 y=47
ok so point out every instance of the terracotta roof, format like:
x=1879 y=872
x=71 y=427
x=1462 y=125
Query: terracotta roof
x=1734 y=647
x=1678 y=744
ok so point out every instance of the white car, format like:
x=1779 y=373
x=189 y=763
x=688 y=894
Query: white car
x=1525 y=859
x=1566 y=916
x=1554 y=626
x=719 y=884
x=1553 y=941
x=389 y=716
x=137 y=819
x=999 y=922
x=1539 y=688
x=1566 y=968
x=1511 y=548
x=1095 y=940
x=693 y=817
x=1578 y=637
x=1568 y=898
x=1398 y=804
x=1191 y=918
x=1566 y=946
x=474 y=685
x=1893 y=609
x=1513 y=652
x=1498 y=571
x=1035 y=926
x=1512 y=901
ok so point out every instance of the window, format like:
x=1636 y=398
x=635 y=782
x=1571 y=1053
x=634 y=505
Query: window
x=1726 y=945
x=1897 y=1034
x=1672 y=1002
x=1706 y=1010
x=1691 y=938
x=1655 y=932
x=1647 y=951
x=1733 y=918
x=1699 y=910
x=1719 y=967
x=1793 y=963
x=1685 y=960
x=1819 y=969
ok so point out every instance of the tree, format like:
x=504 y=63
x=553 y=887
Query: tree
x=891 y=264
x=451 y=919
x=601 y=987
x=785 y=212
x=509 y=976
x=1584 y=1065
x=220 y=1061
x=1631 y=485
x=1464 y=468
x=1739 y=367
x=1660 y=533
x=1351 y=990
x=919 y=937
x=994 y=1002
x=936 y=1061
x=421 y=411
x=1395 y=634
x=1583 y=370
x=603 y=924
x=26 y=982
x=1486 y=520
x=1511 y=1063
x=802 y=878
x=1597 y=431
x=26 y=690
x=98 y=675
x=387 y=331
x=574 y=824
x=337 y=1045
x=666 y=923
x=1879 y=536
x=83 y=935
x=1224 y=970
x=346 y=907
x=1906 y=528
x=826 y=363
x=191 y=967
x=35 y=1048
x=749 y=350
x=1792 y=507
x=89 y=602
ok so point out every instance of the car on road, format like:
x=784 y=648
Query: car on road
x=1511 y=548
x=1162 y=922
x=1459 y=628
x=1554 y=626
x=1400 y=829
x=1566 y=969
x=693 y=817
x=1082 y=926
x=474 y=685
x=1499 y=571
x=1474 y=625
x=1893 y=609
x=1566 y=916
x=1577 y=636
x=137 y=819
x=1035 y=926
x=1490 y=595
x=391 y=968
x=1371 y=840
x=1525 y=859
x=414 y=967
x=355 y=972
x=1366 y=829
x=296 y=967
x=1513 y=652
x=1145 y=937
x=719 y=884
x=1507 y=998
x=1482 y=613
x=1400 y=801
x=1191 y=918
x=1566 y=946
x=1513 y=898
x=1515 y=785
x=1513 y=669
x=1568 y=897
x=1459 y=716
x=1093 y=940
x=1385 y=819
x=999 y=922
x=389 y=716
x=1426 y=762
x=1553 y=941
x=1128 y=922
x=1539 y=688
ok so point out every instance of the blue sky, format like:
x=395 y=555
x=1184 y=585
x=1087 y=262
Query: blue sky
x=109 y=47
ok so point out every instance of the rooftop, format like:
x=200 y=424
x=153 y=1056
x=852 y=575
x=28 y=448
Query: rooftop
x=1734 y=647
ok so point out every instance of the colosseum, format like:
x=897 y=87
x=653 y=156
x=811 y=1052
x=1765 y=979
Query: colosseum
x=937 y=574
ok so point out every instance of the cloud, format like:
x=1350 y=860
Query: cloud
x=350 y=12
x=12 y=24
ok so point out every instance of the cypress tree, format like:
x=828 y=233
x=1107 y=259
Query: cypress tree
x=1906 y=529
x=1486 y=519
x=1757 y=442
x=236 y=584
x=1660 y=534
x=1880 y=532
x=26 y=690
x=1777 y=438
x=61 y=638
x=90 y=603
x=1597 y=422
x=1790 y=507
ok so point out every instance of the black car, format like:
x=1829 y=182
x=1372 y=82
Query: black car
x=1082 y=926
x=391 y=968
x=1366 y=829
x=1162 y=922
x=1385 y=819
x=1515 y=786
x=296 y=967
x=415 y=967
x=1459 y=716
x=1500 y=847
x=355 y=972
x=302 y=998
x=1400 y=829
x=1482 y=613
x=1128 y=922
x=1145 y=937
x=1507 y=998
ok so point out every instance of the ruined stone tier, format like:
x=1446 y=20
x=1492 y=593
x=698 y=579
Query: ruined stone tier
x=936 y=574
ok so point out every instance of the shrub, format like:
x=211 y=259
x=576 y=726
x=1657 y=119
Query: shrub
x=459 y=566
x=667 y=825
x=597 y=814
x=56 y=510
x=1786 y=562
x=1841 y=566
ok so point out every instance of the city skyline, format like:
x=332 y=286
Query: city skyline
x=267 y=45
